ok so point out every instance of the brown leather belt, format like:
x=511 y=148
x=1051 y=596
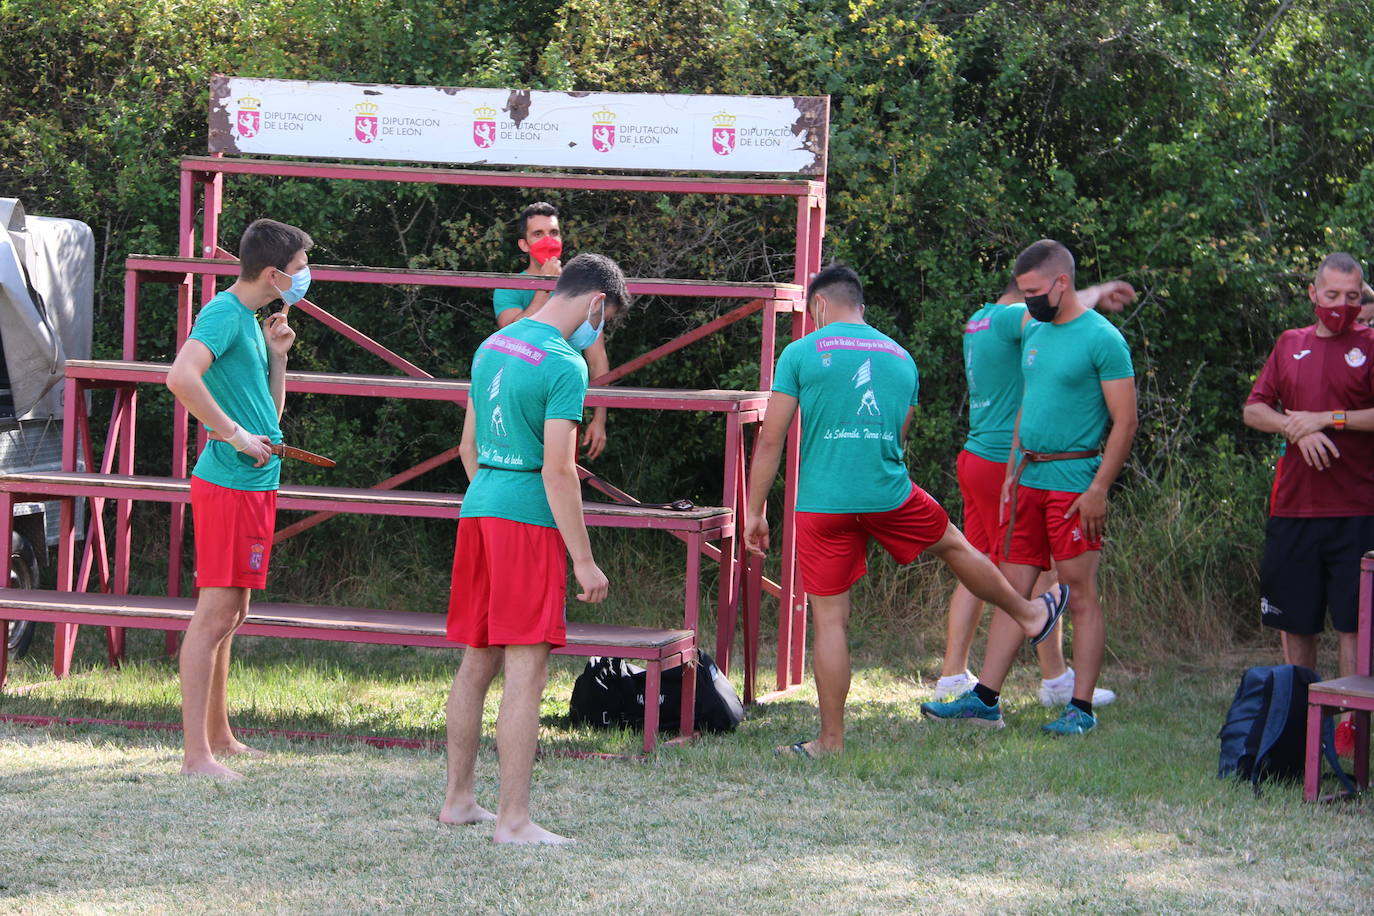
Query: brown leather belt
x=1028 y=457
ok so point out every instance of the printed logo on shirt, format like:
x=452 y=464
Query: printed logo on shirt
x=1030 y=357
x=859 y=343
x=974 y=326
x=868 y=401
x=1301 y=353
x=826 y=359
x=1355 y=358
x=517 y=348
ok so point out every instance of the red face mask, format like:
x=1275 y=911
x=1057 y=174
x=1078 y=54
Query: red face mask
x=542 y=249
x=1339 y=318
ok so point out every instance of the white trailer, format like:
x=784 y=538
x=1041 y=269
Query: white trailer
x=47 y=288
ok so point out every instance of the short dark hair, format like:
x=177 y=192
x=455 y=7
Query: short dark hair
x=1341 y=263
x=1366 y=295
x=268 y=243
x=842 y=279
x=538 y=208
x=1046 y=252
x=1011 y=289
x=593 y=273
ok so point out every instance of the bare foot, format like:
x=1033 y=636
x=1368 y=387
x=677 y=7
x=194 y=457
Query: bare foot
x=236 y=747
x=461 y=815
x=528 y=833
x=211 y=768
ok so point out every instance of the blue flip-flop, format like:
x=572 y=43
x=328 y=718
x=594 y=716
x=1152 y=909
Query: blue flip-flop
x=1056 y=610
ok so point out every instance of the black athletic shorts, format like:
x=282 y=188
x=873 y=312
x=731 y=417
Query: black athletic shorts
x=1312 y=565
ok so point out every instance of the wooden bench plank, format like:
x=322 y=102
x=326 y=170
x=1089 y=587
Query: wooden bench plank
x=169 y=268
x=711 y=400
x=711 y=521
x=158 y=612
x=1351 y=686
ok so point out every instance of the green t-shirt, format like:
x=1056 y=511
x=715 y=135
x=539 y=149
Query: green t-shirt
x=992 y=365
x=237 y=380
x=1063 y=410
x=503 y=299
x=854 y=385
x=522 y=375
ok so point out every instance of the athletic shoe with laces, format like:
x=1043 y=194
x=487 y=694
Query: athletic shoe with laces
x=1073 y=721
x=1059 y=691
x=949 y=688
x=966 y=708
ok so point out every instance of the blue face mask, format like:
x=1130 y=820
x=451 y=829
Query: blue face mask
x=586 y=334
x=300 y=282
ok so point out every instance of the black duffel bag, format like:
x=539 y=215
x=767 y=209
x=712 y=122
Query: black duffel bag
x=609 y=693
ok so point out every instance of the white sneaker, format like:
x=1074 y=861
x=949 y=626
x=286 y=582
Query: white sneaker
x=1059 y=691
x=947 y=688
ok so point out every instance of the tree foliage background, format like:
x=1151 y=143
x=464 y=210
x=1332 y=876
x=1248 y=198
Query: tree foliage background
x=1208 y=152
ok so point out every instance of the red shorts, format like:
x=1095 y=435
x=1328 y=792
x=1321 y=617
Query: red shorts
x=832 y=549
x=509 y=585
x=1042 y=532
x=980 y=482
x=233 y=534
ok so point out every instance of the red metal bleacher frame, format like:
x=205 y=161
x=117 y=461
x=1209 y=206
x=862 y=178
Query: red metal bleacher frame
x=209 y=173
x=741 y=580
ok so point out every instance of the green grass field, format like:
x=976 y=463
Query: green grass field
x=914 y=817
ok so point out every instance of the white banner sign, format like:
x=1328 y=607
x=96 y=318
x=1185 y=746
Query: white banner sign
x=599 y=130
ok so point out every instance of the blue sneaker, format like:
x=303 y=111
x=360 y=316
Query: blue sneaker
x=966 y=708
x=1073 y=721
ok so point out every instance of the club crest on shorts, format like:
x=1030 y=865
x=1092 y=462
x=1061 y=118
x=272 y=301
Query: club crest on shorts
x=255 y=554
x=1355 y=358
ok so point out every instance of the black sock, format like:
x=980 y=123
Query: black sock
x=986 y=694
x=1085 y=705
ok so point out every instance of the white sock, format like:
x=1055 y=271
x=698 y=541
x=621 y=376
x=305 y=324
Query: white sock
x=954 y=678
x=1065 y=678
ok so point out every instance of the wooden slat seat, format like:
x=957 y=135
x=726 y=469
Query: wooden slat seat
x=711 y=521
x=657 y=648
x=711 y=400
x=1352 y=686
x=173 y=269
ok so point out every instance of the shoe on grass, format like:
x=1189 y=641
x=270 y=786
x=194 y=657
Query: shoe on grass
x=949 y=688
x=1073 y=721
x=1058 y=692
x=966 y=708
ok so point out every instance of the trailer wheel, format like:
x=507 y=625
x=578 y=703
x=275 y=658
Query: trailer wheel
x=23 y=574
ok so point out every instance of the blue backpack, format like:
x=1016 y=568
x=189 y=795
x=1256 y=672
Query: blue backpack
x=1265 y=734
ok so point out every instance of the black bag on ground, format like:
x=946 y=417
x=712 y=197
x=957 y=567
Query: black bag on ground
x=609 y=693
x=1265 y=733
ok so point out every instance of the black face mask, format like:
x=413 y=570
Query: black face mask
x=1040 y=308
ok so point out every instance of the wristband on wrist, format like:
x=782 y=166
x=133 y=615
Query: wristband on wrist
x=240 y=439
x=1338 y=419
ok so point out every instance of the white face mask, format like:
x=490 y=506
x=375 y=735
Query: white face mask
x=300 y=282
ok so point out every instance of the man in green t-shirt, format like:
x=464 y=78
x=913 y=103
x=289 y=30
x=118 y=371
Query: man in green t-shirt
x=856 y=390
x=541 y=239
x=992 y=356
x=232 y=378
x=521 y=519
x=1078 y=375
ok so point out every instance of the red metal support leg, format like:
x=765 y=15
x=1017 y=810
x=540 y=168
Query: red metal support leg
x=653 y=681
x=1312 y=759
x=727 y=602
